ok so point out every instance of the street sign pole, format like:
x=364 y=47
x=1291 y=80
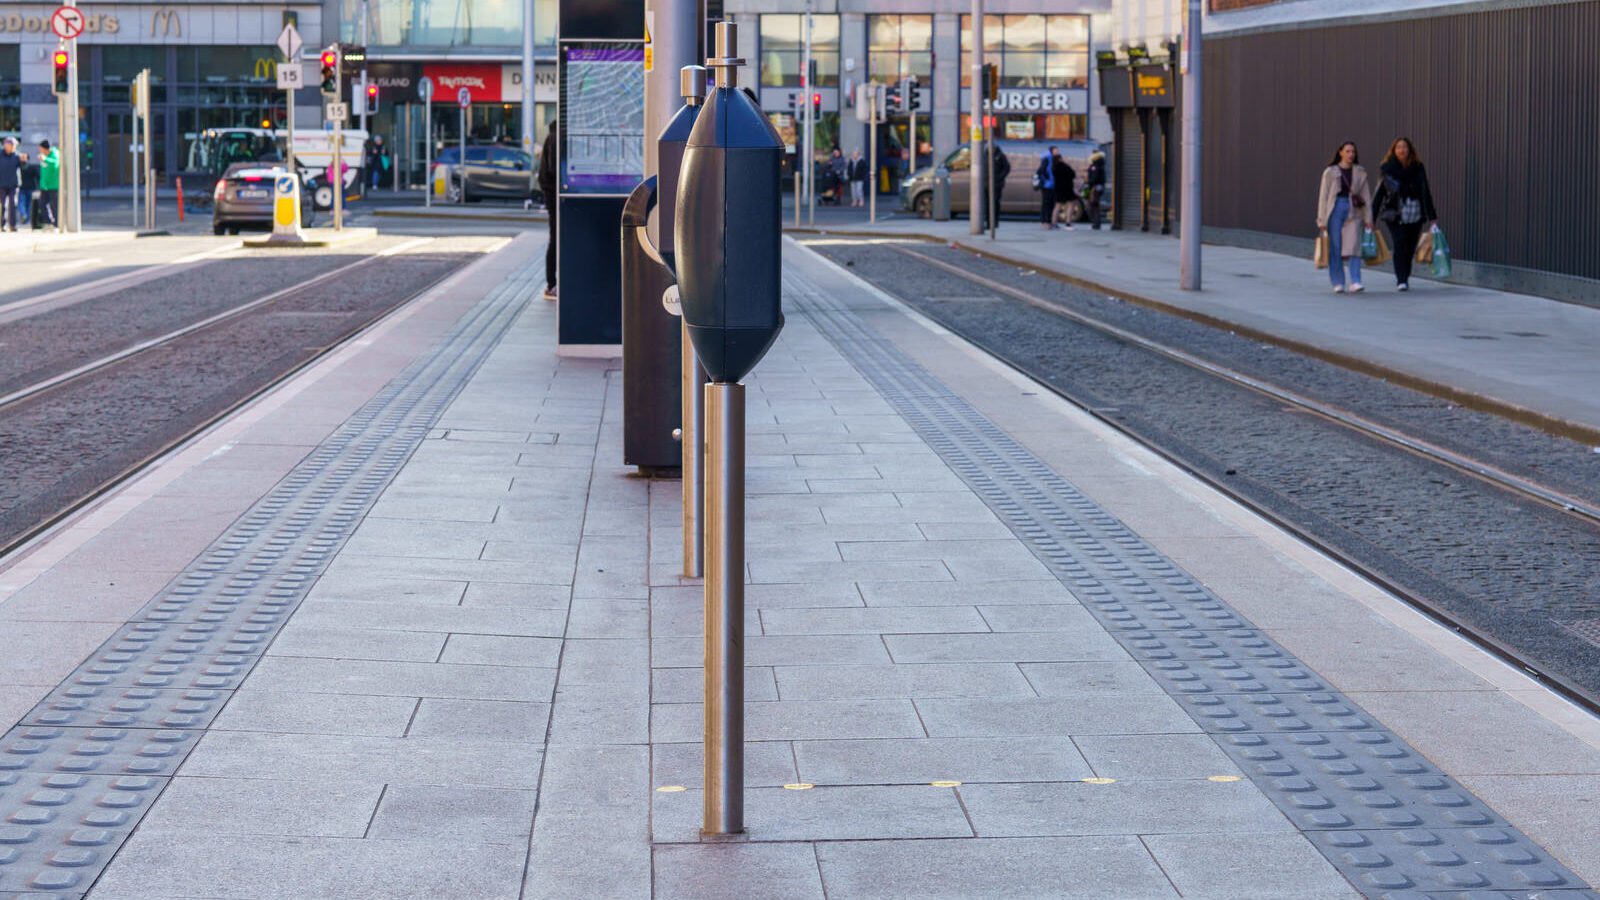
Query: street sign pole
x=289 y=45
x=464 y=100
x=149 y=164
x=337 y=182
x=73 y=220
x=425 y=93
x=872 y=164
x=975 y=126
x=1189 y=225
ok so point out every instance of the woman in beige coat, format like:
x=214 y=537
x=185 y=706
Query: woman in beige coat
x=1344 y=209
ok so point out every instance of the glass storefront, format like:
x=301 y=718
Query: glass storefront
x=10 y=89
x=494 y=24
x=1033 y=52
x=900 y=47
x=192 y=88
x=782 y=48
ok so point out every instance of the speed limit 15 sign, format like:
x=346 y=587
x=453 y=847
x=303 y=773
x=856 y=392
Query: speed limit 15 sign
x=290 y=76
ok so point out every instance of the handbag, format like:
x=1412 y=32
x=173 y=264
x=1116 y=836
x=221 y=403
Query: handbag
x=1441 y=254
x=1425 y=248
x=1319 y=253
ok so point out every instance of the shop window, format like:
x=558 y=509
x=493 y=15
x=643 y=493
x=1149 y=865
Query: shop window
x=120 y=64
x=782 y=49
x=1032 y=51
x=458 y=23
x=901 y=47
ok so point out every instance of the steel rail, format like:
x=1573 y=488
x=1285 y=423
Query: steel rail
x=1484 y=471
x=9 y=547
x=1578 y=694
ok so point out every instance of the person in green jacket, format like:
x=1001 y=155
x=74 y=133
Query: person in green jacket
x=49 y=185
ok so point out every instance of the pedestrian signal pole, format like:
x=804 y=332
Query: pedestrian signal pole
x=1189 y=224
x=975 y=131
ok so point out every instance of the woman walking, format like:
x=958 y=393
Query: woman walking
x=1344 y=207
x=1067 y=199
x=1405 y=204
x=1044 y=182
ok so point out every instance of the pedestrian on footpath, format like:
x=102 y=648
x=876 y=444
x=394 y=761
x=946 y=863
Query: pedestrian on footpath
x=30 y=188
x=839 y=168
x=1344 y=207
x=10 y=184
x=1097 y=186
x=1066 y=188
x=49 y=186
x=859 y=173
x=1405 y=204
x=547 y=186
x=1044 y=183
x=377 y=160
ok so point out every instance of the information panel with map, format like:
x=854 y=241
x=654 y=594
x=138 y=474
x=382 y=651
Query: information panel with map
x=602 y=117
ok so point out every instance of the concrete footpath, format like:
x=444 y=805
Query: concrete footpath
x=407 y=627
x=1512 y=352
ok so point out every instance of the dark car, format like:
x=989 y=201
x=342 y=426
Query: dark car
x=491 y=171
x=243 y=198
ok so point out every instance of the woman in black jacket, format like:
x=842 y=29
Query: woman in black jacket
x=1405 y=204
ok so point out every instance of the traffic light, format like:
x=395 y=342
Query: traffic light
x=372 y=99
x=913 y=94
x=991 y=82
x=330 y=73
x=61 y=84
x=816 y=107
x=893 y=98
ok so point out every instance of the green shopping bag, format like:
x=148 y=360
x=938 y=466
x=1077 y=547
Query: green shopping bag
x=1441 y=255
x=1369 y=244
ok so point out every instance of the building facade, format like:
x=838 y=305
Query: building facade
x=211 y=65
x=1502 y=101
x=1045 y=50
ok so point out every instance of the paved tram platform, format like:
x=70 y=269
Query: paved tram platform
x=407 y=627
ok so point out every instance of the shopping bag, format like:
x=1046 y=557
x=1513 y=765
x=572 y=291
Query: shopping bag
x=1319 y=254
x=1425 y=248
x=1383 y=254
x=1441 y=255
x=1369 y=245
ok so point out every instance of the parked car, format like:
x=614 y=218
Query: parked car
x=491 y=171
x=243 y=198
x=916 y=192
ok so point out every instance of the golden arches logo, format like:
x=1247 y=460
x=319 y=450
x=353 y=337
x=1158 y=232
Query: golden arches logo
x=266 y=69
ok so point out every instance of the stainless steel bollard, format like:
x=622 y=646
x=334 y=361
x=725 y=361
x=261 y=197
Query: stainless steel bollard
x=724 y=700
x=694 y=460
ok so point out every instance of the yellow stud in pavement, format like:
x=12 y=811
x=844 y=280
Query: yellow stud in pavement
x=1099 y=781
x=1222 y=779
x=671 y=789
x=945 y=783
x=799 y=786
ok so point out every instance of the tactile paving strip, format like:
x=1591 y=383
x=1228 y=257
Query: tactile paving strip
x=1390 y=821
x=81 y=769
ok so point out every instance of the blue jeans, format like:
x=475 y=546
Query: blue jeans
x=1336 y=264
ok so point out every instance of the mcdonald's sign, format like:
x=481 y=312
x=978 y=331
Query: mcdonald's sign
x=266 y=69
x=165 y=22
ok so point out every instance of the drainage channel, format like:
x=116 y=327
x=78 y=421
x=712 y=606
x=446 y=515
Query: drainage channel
x=1389 y=820
x=80 y=770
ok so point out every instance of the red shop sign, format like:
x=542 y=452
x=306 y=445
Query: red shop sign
x=482 y=79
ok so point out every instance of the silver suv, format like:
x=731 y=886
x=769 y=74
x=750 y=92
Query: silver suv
x=491 y=171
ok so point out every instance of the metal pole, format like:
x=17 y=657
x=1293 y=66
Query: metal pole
x=337 y=181
x=427 y=151
x=149 y=167
x=975 y=132
x=724 y=604
x=872 y=153
x=989 y=155
x=463 y=163
x=288 y=121
x=135 y=164
x=69 y=214
x=529 y=110
x=811 y=129
x=1189 y=227
x=366 y=17
x=694 y=459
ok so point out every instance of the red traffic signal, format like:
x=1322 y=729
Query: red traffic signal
x=61 y=82
x=329 y=58
x=372 y=91
x=816 y=101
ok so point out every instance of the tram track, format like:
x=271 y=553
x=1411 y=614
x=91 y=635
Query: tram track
x=113 y=415
x=1473 y=581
